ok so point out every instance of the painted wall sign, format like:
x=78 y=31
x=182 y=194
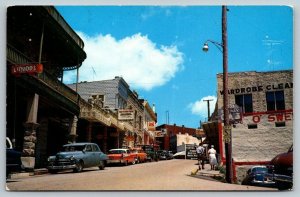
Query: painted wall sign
x=269 y=87
x=19 y=69
x=273 y=117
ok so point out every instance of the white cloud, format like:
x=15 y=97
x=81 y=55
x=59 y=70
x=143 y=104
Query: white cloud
x=137 y=59
x=200 y=107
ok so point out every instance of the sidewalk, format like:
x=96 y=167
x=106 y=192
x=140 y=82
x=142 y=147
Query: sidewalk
x=26 y=174
x=208 y=173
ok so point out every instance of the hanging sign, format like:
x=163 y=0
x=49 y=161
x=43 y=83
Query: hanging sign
x=19 y=69
x=125 y=114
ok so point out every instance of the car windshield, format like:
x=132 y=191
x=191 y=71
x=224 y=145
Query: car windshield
x=73 y=148
x=260 y=170
x=116 y=151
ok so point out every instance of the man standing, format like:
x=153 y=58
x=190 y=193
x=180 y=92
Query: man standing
x=201 y=155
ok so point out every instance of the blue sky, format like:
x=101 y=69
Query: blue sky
x=158 y=50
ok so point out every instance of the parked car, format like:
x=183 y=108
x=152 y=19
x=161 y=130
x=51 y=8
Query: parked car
x=165 y=155
x=151 y=151
x=257 y=176
x=171 y=155
x=77 y=156
x=281 y=169
x=13 y=159
x=140 y=154
x=121 y=156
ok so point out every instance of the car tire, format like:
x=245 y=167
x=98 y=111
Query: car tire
x=79 y=166
x=102 y=165
x=284 y=185
x=52 y=171
x=133 y=162
x=138 y=161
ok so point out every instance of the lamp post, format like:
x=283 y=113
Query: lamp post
x=227 y=128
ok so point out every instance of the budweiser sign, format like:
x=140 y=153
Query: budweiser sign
x=26 y=69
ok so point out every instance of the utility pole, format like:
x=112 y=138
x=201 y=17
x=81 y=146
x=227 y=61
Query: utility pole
x=208 y=108
x=227 y=127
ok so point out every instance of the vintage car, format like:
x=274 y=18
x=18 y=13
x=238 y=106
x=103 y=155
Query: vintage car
x=151 y=151
x=281 y=170
x=77 y=156
x=121 y=156
x=140 y=154
x=256 y=176
x=13 y=159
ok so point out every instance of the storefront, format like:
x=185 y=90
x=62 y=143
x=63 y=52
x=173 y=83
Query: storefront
x=261 y=114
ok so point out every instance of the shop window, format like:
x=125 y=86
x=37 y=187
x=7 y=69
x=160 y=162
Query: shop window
x=275 y=101
x=252 y=126
x=244 y=101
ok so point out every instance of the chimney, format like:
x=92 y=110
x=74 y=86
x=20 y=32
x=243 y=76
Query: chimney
x=153 y=108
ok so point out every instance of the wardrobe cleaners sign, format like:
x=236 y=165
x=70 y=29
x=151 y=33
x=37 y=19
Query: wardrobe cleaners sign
x=251 y=89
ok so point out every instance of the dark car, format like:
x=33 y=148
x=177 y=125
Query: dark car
x=13 y=159
x=281 y=169
x=165 y=155
x=257 y=176
x=151 y=151
x=77 y=156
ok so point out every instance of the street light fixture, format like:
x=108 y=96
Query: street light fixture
x=227 y=128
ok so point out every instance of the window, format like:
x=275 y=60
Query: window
x=275 y=101
x=244 y=101
x=279 y=124
x=252 y=126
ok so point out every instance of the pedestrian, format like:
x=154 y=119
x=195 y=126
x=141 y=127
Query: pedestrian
x=212 y=157
x=201 y=155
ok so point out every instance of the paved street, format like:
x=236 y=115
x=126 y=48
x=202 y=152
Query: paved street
x=162 y=175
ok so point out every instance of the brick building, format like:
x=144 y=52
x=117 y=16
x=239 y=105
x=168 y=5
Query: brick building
x=264 y=128
x=170 y=132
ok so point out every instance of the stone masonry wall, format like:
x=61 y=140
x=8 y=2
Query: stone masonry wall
x=268 y=139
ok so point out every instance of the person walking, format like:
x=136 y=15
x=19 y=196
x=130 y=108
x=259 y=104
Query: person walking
x=201 y=155
x=212 y=157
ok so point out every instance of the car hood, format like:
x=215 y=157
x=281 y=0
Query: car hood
x=68 y=154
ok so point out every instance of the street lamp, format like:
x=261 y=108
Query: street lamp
x=227 y=128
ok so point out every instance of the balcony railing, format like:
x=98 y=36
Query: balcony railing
x=16 y=57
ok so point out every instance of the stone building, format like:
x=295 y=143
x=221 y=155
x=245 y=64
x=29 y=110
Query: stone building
x=116 y=116
x=261 y=114
x=133 y=103
x=41 y=110
x=150 y=120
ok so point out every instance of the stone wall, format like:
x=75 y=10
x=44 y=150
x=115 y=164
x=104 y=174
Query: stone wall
x=272 y=132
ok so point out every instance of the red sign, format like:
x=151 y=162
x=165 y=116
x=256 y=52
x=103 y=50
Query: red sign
x=26 y=69
x=274 y=117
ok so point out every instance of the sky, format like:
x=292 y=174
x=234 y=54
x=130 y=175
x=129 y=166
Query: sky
x=158 y=50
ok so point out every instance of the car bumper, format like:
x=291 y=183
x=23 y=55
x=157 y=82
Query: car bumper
x=111 y=161
x=280 y=177
x=61 y=167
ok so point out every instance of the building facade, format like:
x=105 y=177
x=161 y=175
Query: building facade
x=167 y=132
x=261 y=115
x=150 y=120
x=41 y=110
x=113 y=116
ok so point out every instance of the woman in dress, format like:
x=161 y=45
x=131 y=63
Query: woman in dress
x=212 y=157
